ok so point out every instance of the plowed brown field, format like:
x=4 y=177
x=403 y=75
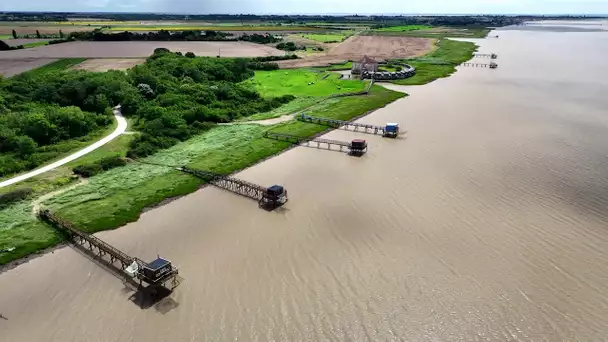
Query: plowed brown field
x=379 y=47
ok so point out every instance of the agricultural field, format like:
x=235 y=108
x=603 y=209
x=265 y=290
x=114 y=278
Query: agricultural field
x=141 y=49
x=326 y=38
x=25 y=41
x=61 y=64
x=12 y=67
x=354 y=48
x=105 y=64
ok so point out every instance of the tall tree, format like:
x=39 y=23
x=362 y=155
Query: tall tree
x=14 y=34
x=38 y=34
x=60 y=34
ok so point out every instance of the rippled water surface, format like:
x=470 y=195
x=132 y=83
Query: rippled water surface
x=487 y=221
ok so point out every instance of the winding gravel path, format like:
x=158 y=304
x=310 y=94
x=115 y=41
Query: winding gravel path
x=120 y=129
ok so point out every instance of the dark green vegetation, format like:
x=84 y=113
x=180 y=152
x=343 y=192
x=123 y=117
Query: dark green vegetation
x=439 y=63
x=5 y=47
x=165 y=35
x=99 y=166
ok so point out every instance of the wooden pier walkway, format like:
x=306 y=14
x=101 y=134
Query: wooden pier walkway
x=480 y=65
x=346 y=125
x=111 y=254
x=265 y=198
x=486 y=55
x=320 y=143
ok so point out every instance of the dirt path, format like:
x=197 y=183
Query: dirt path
x=120 y=129
x=38 y=201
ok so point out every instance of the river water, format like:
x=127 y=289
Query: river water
x=487 y=221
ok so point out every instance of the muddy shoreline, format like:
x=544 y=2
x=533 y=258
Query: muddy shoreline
x=15 y=263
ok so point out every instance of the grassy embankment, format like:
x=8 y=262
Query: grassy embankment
x=118 y=196
x=432 y=32
x=62 y=64
x=35 y=44
x=440 y=63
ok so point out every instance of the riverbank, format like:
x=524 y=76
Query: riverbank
x=117 y=197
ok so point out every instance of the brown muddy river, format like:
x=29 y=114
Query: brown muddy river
x=488 y=221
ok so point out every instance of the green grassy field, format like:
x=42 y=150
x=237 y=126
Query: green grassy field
x=326 y=38
x=335 y=67
x=439 y=63
x=34 y=44
x=406 y=28
x=118 y=196
x=5 y=36
x=299 y=82
x=434 y=32
x=61 y=64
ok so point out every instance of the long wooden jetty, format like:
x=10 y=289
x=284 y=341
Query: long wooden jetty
x=491 y=65
x=355 y=147
x=155 y=274
x=486 y=55
x=268 y=198
x=390 y=130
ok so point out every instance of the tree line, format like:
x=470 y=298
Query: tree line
x=171 y=96
x=162 y=35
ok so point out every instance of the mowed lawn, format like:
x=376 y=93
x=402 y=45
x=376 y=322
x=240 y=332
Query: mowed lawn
x=302 y=82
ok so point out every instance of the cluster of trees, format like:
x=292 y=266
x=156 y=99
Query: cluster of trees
x=162 y=35
x=185 y=96
x=172 y=96
x=290 y=46
x=5 y=47
x=261 y=63
x=260 y=38
x=274 y=58
x=38 y=35
x=28 y=132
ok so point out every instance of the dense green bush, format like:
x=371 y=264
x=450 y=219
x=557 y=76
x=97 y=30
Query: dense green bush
x=274 y=58
x=262 y=66
x=89 y=170
x=14 y=196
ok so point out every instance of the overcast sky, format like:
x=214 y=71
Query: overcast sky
x=314 y=6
